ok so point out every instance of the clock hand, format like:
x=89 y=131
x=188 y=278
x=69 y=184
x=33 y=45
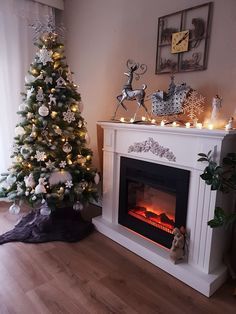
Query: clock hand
x=181 y=39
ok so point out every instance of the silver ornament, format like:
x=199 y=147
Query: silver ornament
x=78 y=206
x=67 y=148
x=96 y=178
x=43 y=111
x=19 y=130
x=14 y=209
x=45 y=210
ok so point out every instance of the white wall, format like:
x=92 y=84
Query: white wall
x=102 y=35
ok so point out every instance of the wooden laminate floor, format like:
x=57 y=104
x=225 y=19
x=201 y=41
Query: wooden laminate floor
x=95 y=275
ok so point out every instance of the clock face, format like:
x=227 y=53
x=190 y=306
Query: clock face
x=180 y=42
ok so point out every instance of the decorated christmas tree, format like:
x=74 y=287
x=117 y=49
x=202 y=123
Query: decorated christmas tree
x=51 y=161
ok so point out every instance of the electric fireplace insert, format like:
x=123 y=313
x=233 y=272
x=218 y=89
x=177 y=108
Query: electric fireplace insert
x=153 y=199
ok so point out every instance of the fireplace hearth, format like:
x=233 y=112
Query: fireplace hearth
x=153 y=199
x=151 y=181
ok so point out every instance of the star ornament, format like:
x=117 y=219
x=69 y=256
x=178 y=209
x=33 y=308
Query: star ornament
x=44 y=55
x=68 y=116
x=69 y=184
x=50 y=165
x=62 y=164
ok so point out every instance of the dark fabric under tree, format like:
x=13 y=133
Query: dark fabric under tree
x=62 y=225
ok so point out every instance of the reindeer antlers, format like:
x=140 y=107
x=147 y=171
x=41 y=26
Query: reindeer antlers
x=133 y=67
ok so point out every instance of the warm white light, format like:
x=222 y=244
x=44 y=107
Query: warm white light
x=210 y=126
x=122 y=119
x=53 y=114
x=162 y=123
x=187 y=125
x=199 y=125
x=153 y=121
x=227 y=127
x=131 y=120
x=143 y=118
x=174 y=124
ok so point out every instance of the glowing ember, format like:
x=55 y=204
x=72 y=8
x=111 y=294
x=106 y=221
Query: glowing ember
x=156 y=218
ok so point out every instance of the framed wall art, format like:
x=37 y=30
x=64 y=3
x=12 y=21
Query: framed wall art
x=183 y=40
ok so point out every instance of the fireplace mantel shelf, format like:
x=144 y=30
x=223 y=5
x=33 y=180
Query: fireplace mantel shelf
x=203 y=270
x=218 y=133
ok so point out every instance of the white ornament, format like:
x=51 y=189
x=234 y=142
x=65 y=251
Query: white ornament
x=44 y=55
x=40 y=156
x=43 y=111
x=29 y=181
x=50 y=165
x=30 y=115
x=68 y=116
x=19 y=189
x=69 y=184
x=60 y=82
x=45 y=210
x=14 y=209
x=78 y=206
x=29 y=79
x=11 y=179
x=40 y=95
x=19 y=130
x=30 y=92
x=52 y=100
x=22 y=106
x=59 y=177
x=67 y=148
x=40 y=188
x=34 y=198
x=193 y=105
x=48 y=80
x=216 y=105
x=96 y=178
x=62 y=164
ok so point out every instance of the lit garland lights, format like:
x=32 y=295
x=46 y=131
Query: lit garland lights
x=50 y=147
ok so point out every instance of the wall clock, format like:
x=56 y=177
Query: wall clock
x=183 y=40
x=179 y=42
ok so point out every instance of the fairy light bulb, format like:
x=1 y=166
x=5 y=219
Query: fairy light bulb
x=162 y=123
x=187 y=125
x=122 y=119
x=153 y=121
x=131 y=120
x=199 y=125
x=53 y=114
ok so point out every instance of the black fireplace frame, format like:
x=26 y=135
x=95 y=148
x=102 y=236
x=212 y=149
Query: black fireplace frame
x=158 y=176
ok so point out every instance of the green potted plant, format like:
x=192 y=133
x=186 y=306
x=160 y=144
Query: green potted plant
x=223 y=178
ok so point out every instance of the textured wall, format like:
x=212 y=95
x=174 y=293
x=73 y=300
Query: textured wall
x=102 y=35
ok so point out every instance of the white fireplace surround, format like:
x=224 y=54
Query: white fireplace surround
x=203 y=270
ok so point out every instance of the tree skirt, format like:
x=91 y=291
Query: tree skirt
x=62 y=225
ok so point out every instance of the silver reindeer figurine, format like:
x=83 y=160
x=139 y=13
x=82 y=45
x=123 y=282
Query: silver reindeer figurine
x=128 y=93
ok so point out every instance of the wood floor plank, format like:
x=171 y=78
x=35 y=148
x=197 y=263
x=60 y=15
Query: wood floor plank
x=94 y=276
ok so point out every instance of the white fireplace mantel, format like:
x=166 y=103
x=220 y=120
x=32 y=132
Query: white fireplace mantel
x=203 y=270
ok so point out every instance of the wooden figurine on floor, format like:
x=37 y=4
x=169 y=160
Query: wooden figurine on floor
x=177 y=248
